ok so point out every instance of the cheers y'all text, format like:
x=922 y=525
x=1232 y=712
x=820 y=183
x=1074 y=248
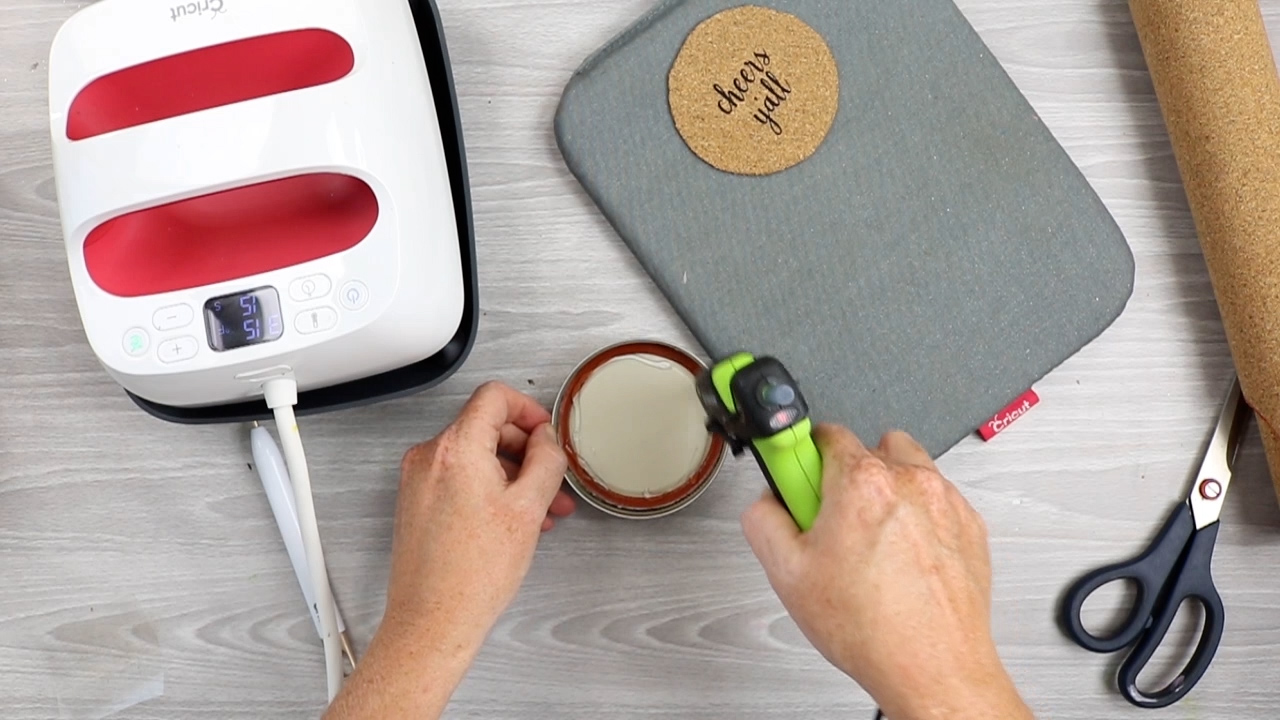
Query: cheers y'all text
x=744 y=85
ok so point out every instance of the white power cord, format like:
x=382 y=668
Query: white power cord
x=273 y=473
x=281 y=395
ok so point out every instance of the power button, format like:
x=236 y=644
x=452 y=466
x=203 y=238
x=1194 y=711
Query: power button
x=354 y=295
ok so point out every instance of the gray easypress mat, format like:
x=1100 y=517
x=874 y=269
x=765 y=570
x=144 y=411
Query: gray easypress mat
x=936 y=257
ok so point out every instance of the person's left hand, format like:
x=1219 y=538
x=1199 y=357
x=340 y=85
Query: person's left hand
x=473 y=502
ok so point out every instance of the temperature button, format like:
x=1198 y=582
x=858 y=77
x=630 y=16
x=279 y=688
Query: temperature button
x=178 y=349
x=173 y=317
x=316 y=320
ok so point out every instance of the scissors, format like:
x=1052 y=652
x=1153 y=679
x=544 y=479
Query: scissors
x=1174 y=569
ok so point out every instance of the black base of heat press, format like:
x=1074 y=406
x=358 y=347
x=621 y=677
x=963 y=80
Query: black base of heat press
x=435 y=369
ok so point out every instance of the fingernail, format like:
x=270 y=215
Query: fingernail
x=548 y=432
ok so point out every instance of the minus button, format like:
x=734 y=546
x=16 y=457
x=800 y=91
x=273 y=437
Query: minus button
x=173 y=317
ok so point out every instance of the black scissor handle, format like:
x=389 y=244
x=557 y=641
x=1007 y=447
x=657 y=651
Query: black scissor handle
x=1195 y=582
x=1151 y=571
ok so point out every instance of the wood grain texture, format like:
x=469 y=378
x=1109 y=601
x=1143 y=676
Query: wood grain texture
x=144 y=577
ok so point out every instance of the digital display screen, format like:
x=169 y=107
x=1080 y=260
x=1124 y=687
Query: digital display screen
x=244 y=319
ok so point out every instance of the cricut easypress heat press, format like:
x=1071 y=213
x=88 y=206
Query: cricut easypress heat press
x=265 y=207
x=252 y=189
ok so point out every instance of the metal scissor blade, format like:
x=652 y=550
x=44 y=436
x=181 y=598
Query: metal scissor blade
x=1215 y=472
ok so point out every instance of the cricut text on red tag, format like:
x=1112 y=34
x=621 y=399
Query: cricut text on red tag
x=1009 y=415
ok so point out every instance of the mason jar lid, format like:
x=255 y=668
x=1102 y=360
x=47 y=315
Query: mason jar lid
x=634 y=431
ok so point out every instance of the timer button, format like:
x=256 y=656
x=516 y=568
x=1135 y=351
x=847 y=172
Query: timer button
x=310 y=287
x=316 y=320
x=173 y=317
x=354 y=295
x=136 y=342
x=178 y=349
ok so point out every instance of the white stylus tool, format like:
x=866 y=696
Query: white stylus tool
x=275 y=481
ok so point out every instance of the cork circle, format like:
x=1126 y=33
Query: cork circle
x=754 y=91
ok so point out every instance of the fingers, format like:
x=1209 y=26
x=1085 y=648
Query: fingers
x=494 y=405
x=897 y=446
x=512 y=441
x=858 y=485
x=901 y=448
x=863 y=486
x=543 y=469
x=511 y=468
x=836 y=441
x=845 y=460
x=562 y=505
x=842 y=448
x=773 y=536
x=512 y=445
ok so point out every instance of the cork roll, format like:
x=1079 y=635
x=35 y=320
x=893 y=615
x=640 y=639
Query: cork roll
x=1215 y=77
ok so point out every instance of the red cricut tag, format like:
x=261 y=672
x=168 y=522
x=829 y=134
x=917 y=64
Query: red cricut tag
x=1009 y=415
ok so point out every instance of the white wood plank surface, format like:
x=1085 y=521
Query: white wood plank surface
x=143 y=576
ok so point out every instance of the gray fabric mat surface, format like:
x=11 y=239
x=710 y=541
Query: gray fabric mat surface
x=936 y=257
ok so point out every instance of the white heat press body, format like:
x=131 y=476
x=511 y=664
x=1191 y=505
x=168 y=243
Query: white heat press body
x=252 y=189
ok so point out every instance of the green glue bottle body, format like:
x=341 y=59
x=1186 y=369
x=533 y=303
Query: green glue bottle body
x=756 y=405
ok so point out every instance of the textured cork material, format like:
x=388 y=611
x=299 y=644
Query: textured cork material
x=1215 y=76
x=754 y=91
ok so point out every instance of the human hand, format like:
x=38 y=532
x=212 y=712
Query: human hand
x=472 y=504
x=471 y=507
x=893 y=582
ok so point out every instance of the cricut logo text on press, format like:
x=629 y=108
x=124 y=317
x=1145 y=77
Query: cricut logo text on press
x=211 y=8
x=1006 y=419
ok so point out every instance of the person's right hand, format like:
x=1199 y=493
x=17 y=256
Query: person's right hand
x=893 y=582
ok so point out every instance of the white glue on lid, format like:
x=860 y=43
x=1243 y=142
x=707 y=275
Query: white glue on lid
x=638 y=427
